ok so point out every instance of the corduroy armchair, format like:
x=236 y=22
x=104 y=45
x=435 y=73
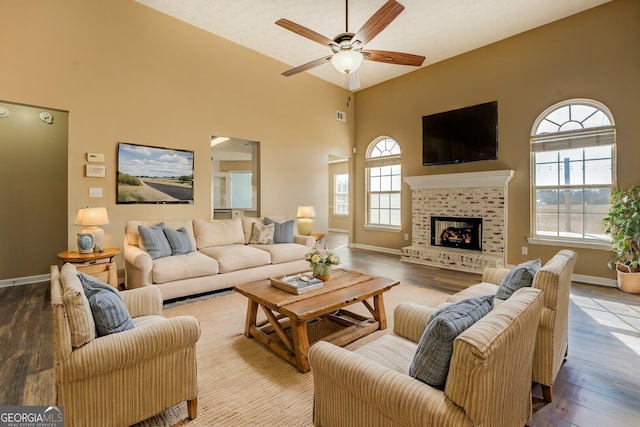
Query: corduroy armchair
x=488 y=383
x=554 y=279
x=126 y=377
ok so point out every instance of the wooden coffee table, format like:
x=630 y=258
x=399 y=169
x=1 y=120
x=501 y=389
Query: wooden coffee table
x=294 y=322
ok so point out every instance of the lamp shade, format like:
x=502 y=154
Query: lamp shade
x=347 y=61
x=306 y=212
x=92 y=216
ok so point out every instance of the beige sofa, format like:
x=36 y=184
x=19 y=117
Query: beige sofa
x=488 y=382
x=223 y=257
x=124 y=377
x=554 y=279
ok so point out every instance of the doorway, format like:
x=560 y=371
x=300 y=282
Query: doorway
x=340 y=209
x=33 y=166
x=235 y=167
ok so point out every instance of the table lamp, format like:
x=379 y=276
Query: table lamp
x=91 y=218
x=305 y=219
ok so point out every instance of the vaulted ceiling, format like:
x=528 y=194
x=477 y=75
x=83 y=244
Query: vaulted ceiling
x=435 y=29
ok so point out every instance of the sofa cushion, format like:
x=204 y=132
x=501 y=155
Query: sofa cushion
x=154 y=241
x=262 y=234
x=76 y=307
x=284 y=252
x=109 y=312
x=186 y=266
x=433 y=354
x=237 y=257
x=247 y=226
x=179 y=240
x=518 y=277
x=477 y=290
x=392 y=351
x=217 y=232
x=283 y=230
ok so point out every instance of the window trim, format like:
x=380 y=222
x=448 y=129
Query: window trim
x=566 y=140
x=375 y=162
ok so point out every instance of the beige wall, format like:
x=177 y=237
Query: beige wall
x=594 y=54
x=128 y=73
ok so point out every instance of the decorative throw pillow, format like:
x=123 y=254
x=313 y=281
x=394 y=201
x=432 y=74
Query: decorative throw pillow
x=109 y=312
x=518 y=277
x=154 y=240
x=433 y=355
x=76 y=305
x=262 y=234
x=283 y=232
x=179 y=240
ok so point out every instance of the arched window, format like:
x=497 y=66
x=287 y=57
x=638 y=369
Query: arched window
x=382 y=166
x=573 y=169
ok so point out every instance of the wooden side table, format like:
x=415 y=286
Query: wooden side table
x=97 y=264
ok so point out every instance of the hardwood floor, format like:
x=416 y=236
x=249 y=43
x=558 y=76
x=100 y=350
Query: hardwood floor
x=599 y=384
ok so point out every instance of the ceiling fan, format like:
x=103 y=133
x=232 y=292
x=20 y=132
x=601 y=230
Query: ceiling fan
x=347 y=47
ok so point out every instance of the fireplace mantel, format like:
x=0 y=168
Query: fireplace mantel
x=498 y=178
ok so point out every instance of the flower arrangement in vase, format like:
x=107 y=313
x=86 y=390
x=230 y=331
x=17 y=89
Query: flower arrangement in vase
x=321 y=260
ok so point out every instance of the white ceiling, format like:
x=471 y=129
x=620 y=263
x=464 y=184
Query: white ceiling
x=436 y=29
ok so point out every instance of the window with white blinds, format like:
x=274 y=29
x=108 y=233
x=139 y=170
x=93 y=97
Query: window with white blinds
x=573 y=170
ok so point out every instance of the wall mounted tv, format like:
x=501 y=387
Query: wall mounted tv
x=154 y=175
x=464 y=135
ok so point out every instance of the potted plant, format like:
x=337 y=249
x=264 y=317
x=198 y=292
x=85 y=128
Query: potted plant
x=623 y=225
x=320 y=260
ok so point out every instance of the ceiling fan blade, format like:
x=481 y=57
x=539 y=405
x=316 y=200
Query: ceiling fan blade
x=379 y=21
x=305 y=32
x=307 y=66
x=397 y=58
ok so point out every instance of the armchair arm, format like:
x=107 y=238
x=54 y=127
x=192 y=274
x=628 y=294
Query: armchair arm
x=143 y=301
x=138 y=266
x=304 y=240
x=348 y=385
x=410 y=319
x=494 y=275
x=120 y=350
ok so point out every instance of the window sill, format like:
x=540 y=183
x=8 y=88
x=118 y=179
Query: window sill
x=382 y=228
x=569 y=243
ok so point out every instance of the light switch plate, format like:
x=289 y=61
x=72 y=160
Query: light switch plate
x=95 y=157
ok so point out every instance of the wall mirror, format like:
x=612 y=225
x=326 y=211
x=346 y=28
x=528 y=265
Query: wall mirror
x=236 y=177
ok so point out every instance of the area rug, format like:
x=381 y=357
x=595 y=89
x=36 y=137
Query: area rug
x=241 y=382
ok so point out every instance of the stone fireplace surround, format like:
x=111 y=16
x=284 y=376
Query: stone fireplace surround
x=472 y=194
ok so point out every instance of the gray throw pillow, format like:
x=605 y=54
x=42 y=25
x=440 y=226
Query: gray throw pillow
x=109 y=312
x=179 y=240
x=154 y=240
x=433 y=355
x=283 y=232
x=518 y=277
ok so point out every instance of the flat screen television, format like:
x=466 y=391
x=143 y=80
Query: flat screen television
x=464 y=135
x=154 y=175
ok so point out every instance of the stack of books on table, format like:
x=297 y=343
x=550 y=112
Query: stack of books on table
x=296 y=284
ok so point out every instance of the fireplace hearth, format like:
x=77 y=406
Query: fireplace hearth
x=456 y=232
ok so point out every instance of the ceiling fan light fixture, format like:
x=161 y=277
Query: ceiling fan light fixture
x=347 y=61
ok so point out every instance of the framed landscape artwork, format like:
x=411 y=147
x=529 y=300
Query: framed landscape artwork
x=154 y=175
